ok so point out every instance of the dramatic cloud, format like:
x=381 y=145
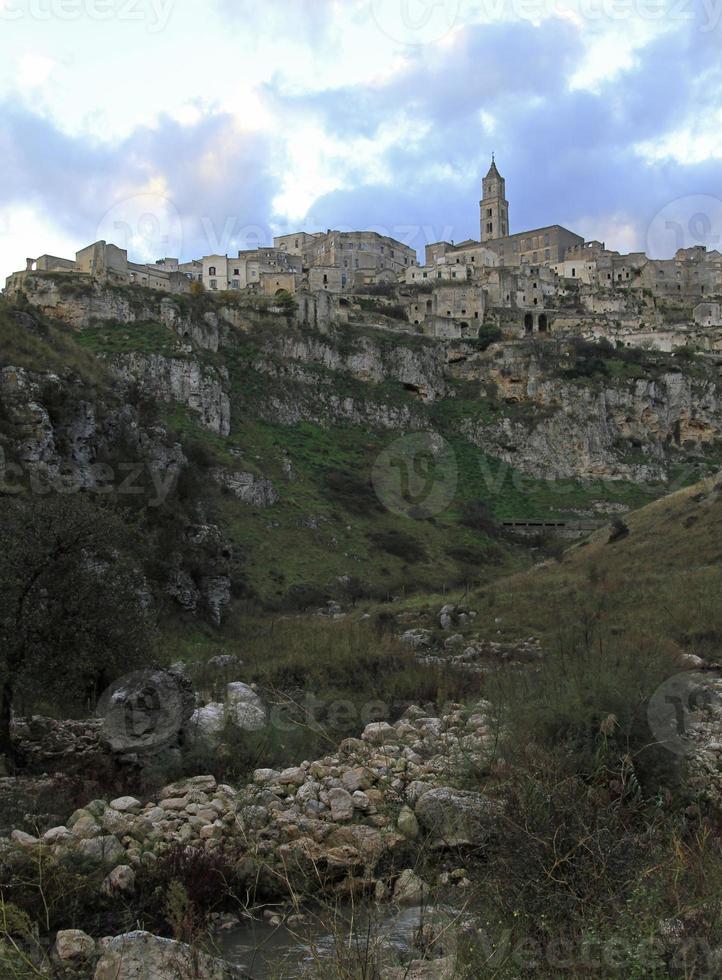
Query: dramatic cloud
x=201 y=130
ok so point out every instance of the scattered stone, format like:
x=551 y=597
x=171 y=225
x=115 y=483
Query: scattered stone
x=120 y=881
x=126 y=804
x=379 y=733
x=408 y=824
x=410 y=889
x=73 y=946
x=103 y=850
x=341 y=803
x=458 y=817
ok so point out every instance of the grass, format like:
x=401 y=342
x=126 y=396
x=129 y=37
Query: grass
x=30 y=341
x=138 y=337
x=325 y=681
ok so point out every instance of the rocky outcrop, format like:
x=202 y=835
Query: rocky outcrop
x=311 y=403
x=248 y=487
x=556 y=429
x=201 y=388
x=142 y=956
x=145 y=711
x=454 y=818
x=61 y=438
x=82 y=302
x=242 y=707
x=418 y=369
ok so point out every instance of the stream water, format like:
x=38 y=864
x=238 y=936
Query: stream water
x=266 y=952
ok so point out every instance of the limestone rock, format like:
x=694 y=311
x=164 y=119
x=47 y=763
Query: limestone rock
x=120 y=881
x=408 y=824
x=410 y=889
x=248 y=488
x=455 y=817
x=126 y=804
x=145 y=711
x=103 y=850
x=73 y=946
x=246 y=707
x=142 y=956
x=341 y=803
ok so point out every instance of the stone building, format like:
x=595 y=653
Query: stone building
x=246 y=269
x=361 y=256
x=494 y=206
x=540 y=246
x=327 y=278
x=109 y=263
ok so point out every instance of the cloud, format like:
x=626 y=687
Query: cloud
x=344 y=128
x=212 y=174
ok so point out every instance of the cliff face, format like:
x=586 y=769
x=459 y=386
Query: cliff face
x=263 y=433
x=58 y=431
x=600 y=428
x=199 y=387
x=82 y=303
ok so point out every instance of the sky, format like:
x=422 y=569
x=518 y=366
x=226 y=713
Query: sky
x=191 y=127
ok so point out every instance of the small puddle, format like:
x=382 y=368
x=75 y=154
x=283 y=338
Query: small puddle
x=266 y=952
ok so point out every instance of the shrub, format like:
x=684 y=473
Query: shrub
x=477 y=515
x=467 y=555
x=620 y=530
x=351 y=492
x=400 y=544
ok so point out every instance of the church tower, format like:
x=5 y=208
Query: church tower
x=494 y=206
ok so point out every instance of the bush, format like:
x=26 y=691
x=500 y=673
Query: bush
x=351 y=492
x=477 y=515
x=620 y=530
x=467 y=555
x=400 y=544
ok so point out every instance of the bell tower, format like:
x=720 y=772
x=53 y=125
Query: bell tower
x=494 y=205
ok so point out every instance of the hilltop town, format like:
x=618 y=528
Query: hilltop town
x=540 y=281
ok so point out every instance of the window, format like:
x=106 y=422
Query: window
x=574 y=273
x=235 y=284
x=547 y=239
x=212 y=271
x=490 y=227
x=488 y=212
x=214 y=284
x=426 y=275
x=236 y=272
